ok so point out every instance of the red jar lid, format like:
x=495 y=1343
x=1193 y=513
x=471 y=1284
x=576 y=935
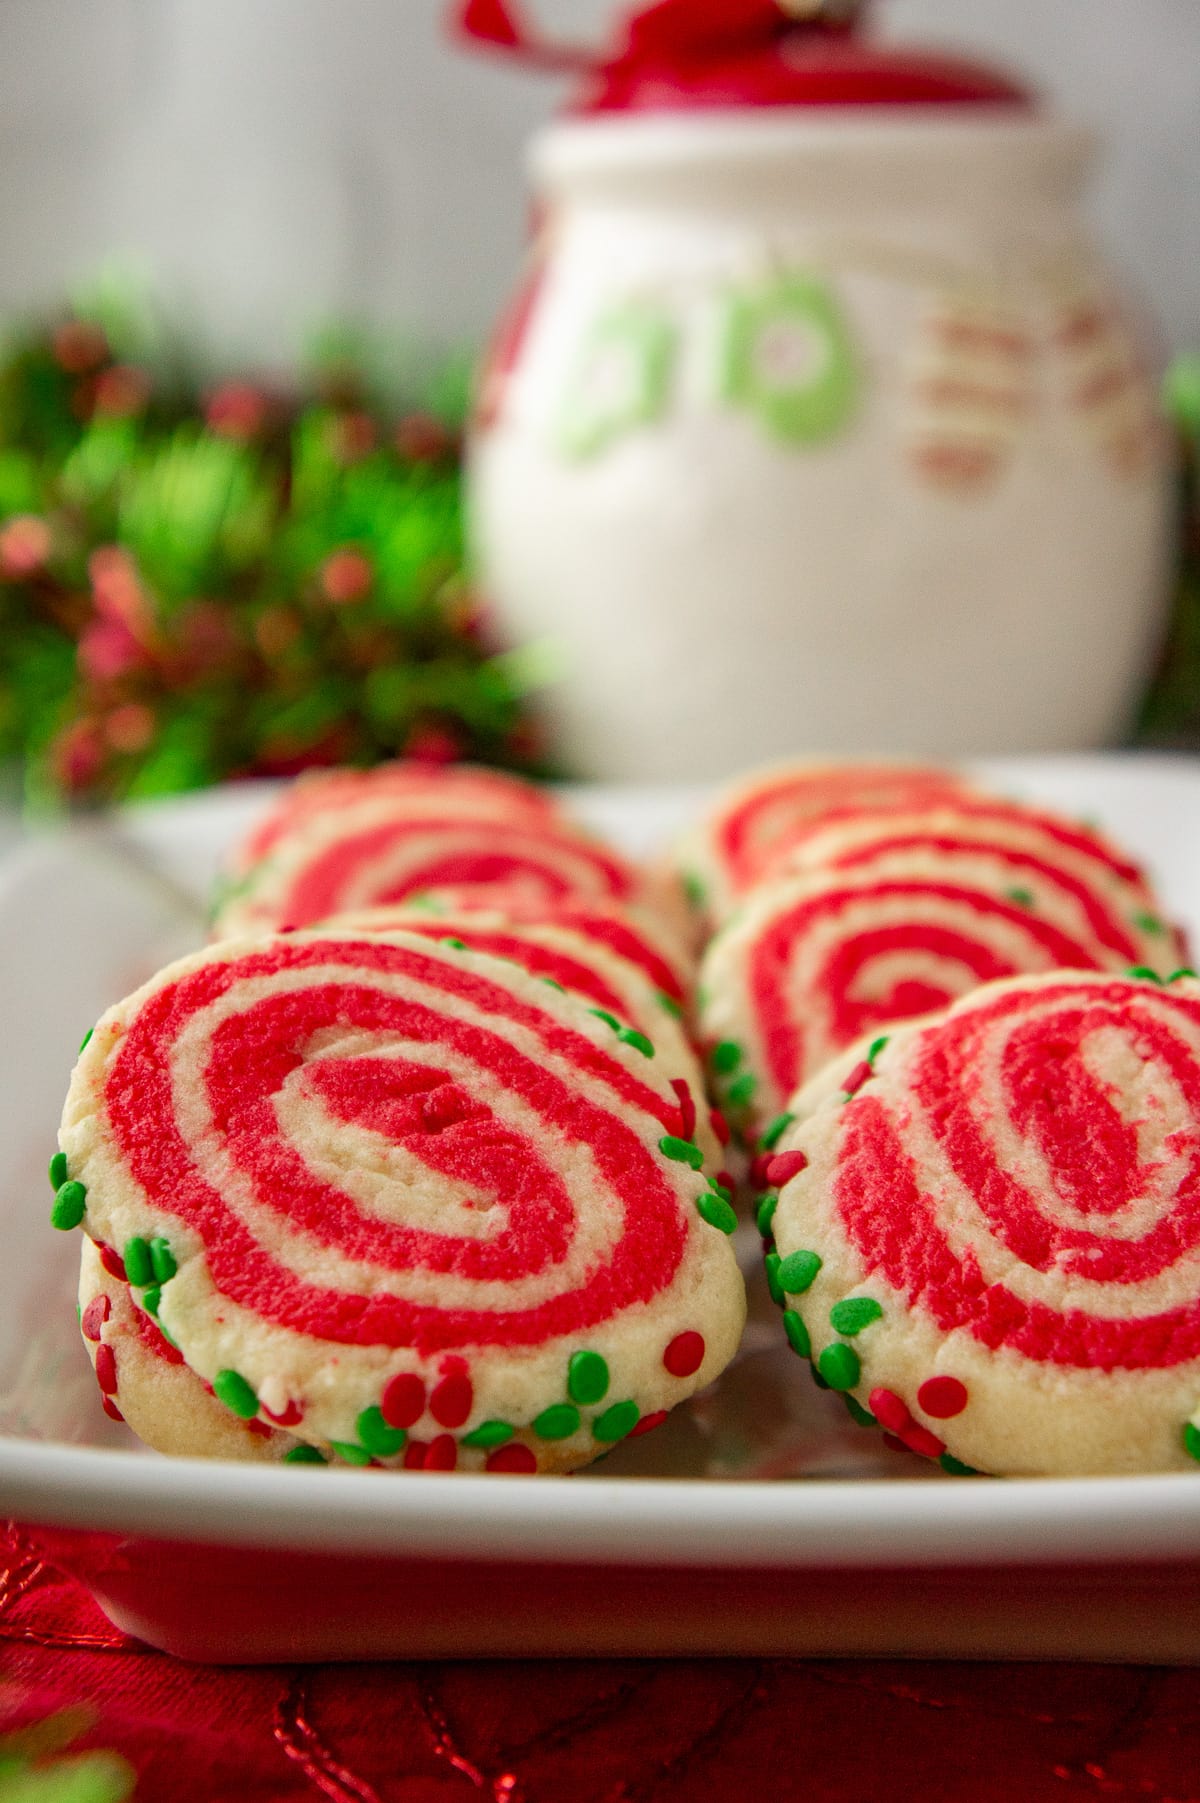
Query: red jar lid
x=686 y=55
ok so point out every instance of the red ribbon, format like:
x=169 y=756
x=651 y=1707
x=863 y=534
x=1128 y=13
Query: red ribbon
x=664 y=34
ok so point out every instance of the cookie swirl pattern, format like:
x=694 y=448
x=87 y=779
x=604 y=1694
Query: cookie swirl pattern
x=989 y=1236
x=402 y=1187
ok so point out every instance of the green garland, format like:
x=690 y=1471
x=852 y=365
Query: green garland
x=200 y=584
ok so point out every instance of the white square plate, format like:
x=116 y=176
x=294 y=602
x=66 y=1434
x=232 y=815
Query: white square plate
x=758 y=1519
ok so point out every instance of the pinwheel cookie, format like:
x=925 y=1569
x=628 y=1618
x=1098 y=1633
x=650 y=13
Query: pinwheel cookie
x=374 y=853
x=894 y=916
x=756 y=819
x=417 y=788
x=403 y=1201
x=986 y=1232
x=160 y=1398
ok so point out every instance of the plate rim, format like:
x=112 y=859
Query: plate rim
x=678 y=1522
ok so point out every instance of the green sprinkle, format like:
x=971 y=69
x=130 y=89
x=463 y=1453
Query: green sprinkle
x=139 y=1267
x=151 y=1299
x=162 y=1260
x=66 y=1211
x=457 y=945
x=797 y=1271
x=839 y=1366
x=714 y=1209
x=683 y=1151
x=1024 y=898
x=230 y=1387
x=380 y=1440
x=83 y=1043
x=772 y=1263
x=1149 y=923
x=587 y=1377
x=1143 y=974
x=616 y=1422
x=797 y=1334
x=669 y=1005
x=351 y=1454
x=877 y=1046
x=766 y=1214
x=489 y=1434
x=58 y=1170
x=854 y=1313
x=1176 y=975
x=639 y=1042
x=167 y=1335
x=775 y=1132
x=610 y=1020
x=694 y=889
x=818 y=1380
x=955 y=1467
x=726 y=1057
x=558 y=1422
x=304 y=1455
x=1191 y=1440
x=553 y=983
x=857 y=1412
x=741 y=1091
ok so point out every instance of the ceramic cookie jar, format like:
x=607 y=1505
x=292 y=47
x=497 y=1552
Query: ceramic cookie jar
x=816 y=421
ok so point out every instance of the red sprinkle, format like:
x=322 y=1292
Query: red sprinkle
x=112 y=1261
x=291 y=1416
x=896 y=1444
x=784 y=1166
x=442 y=1454
x=106 y=1370
x=758 y=1168
x=720 y=1126
x=685 y=1354
x=414 y=1455
x=111 y=1409
x=403 y=1401
x=889 y=1410
x=94 y=1316
x=687 y=1107
x=858 y=1076
x=260 y=1428
x=452 y=1398
x=648 y=1422
x=942 y=1397
x=920 y=1440
x=512 y=1458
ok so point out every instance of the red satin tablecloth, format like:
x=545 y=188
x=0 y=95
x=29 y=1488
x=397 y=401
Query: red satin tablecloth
x=594 y=1731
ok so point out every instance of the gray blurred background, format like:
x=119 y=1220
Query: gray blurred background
x=273 y=161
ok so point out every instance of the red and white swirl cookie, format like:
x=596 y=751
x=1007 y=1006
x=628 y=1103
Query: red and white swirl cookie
x=144 y=1381
x=987 y=1233
x=372 y=853
x=419 y=788
x=404 y=1201
x=901 y=917
x=757 y=817
x=630 y=933
x=1022 y=844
